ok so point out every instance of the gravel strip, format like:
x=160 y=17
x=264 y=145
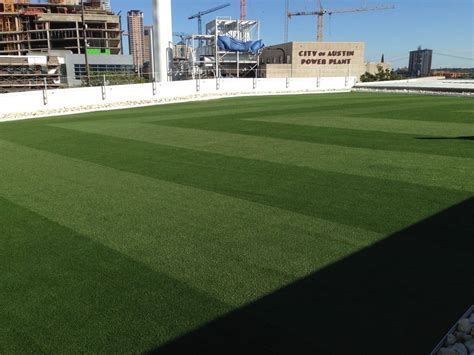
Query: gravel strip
x=460 y=339
x=149 y=102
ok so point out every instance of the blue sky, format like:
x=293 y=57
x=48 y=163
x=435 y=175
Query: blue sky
x=446 y=26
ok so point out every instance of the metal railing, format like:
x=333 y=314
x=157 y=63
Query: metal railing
x=28 y=83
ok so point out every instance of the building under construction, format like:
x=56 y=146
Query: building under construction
x=29 y=29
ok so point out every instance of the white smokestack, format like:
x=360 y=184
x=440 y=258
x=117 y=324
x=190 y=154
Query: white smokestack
x=162 y=38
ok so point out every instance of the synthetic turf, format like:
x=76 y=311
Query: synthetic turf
x=124 y=230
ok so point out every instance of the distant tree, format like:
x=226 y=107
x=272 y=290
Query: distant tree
x=381 y=75
x=367 y=77
x=114 y=78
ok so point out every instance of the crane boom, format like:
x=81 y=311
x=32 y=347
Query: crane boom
x=200 y=14
x=181 y=35
x=214 y=9
x=361 y=9
x=305 y=13
x=323 y=12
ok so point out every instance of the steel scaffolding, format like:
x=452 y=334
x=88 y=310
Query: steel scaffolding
x=211 y=61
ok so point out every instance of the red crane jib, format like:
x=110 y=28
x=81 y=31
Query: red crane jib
x=243 y=9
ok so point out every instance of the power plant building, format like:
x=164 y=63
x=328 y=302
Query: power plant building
x=313 y=59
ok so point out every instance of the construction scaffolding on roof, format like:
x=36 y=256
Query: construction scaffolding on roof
x=211 y=60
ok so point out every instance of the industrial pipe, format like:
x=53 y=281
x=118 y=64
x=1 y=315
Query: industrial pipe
x=162 y=39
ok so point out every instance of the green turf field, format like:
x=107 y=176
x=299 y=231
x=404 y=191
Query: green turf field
x=273 y=223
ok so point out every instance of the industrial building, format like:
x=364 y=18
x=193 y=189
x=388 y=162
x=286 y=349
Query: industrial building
x=313 y=59
x=420 y=62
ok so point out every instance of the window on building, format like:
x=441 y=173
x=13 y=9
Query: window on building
x=80 y=69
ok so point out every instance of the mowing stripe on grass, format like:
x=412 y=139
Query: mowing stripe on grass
x=232 y=249
x=63 y=293
x=353 y=104
x=423 y=128
x=423 y=169
x=322 y=194
x=335 y=136
x=455 y=111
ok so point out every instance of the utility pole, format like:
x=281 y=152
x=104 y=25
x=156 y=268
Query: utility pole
x=84 y=33
x=119 y=14
x=287 y=18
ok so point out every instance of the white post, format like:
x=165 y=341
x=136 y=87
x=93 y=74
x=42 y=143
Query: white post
x=162 y=36
x=198 y=82
x=217 y=49
x=104 y=93
x=45 y=92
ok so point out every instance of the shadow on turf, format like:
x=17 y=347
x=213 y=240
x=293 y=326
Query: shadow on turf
x=399 y=296
x=464 y=138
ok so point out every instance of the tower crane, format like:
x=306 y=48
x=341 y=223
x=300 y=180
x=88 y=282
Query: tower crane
x=181 y=35
x=243 y=9
x=324 y=12
x=200 y=14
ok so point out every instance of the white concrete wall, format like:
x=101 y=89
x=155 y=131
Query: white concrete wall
x=32 y=103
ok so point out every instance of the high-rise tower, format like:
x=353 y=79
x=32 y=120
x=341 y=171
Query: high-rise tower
x=136 y=37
